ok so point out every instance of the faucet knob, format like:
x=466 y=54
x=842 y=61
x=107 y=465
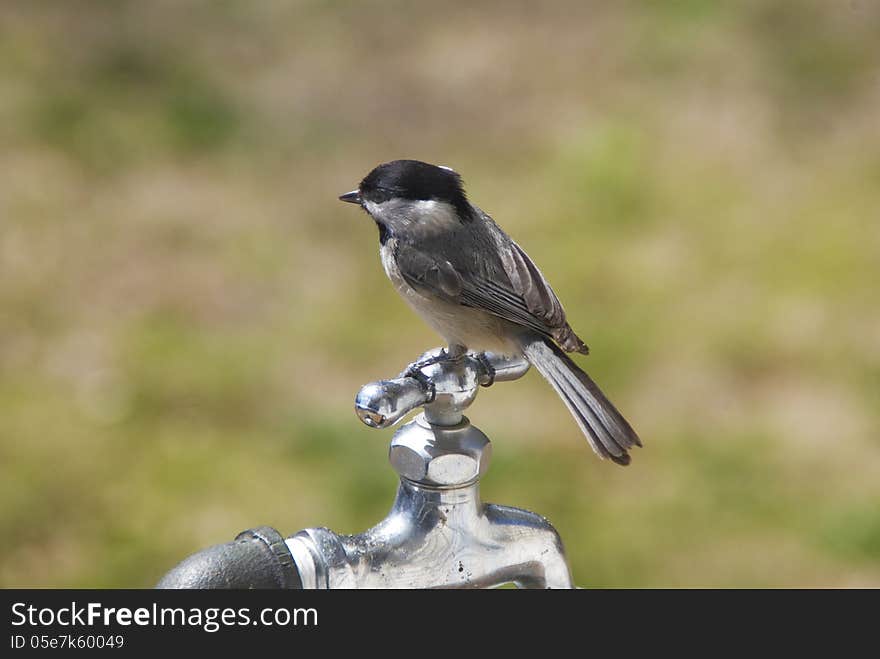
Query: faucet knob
x=445 y=385
x=382 y=404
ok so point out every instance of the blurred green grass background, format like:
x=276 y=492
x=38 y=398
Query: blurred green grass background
x=186 y=311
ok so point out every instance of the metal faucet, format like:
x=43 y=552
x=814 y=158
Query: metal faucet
x=438 y=534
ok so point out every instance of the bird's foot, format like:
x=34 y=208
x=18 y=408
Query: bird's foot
x=432 y=357
x=488 y=377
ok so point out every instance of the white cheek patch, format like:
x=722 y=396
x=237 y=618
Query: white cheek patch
x=428 y=215
x=430 y=207
x=434 y=215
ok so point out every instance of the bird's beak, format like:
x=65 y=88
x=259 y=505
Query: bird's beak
x=353 y=197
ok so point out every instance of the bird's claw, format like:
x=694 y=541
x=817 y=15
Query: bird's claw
x=414 y=370
x=444 y=354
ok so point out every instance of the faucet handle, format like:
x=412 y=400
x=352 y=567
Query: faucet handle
x=447 y=384
x=382 y=404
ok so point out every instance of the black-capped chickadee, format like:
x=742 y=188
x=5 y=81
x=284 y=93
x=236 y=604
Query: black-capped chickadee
x=479 y=289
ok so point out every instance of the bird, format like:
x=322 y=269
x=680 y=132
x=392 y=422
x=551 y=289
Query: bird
x=479 y=289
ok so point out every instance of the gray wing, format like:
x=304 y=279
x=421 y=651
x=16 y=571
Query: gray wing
x=531 y=290
x=531 y=287
x=508 y=285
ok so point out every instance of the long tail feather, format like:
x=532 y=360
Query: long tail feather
x=608 y=432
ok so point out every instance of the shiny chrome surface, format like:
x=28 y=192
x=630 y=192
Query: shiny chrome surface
x=438 y=533
x=382 y=404
x=436 y=539
x=440 y=456
x=446 y=386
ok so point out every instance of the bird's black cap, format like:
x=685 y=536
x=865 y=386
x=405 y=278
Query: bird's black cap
x=414 y=180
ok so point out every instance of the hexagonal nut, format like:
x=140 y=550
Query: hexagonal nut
x=440 y=456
